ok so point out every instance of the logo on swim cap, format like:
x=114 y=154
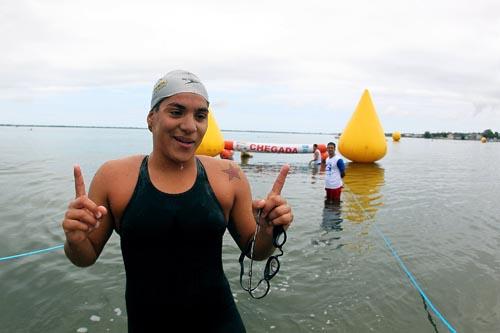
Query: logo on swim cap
x=189 y=81
x=160 y=84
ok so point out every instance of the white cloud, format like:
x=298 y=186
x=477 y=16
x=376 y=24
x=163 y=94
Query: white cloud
x=440 y=59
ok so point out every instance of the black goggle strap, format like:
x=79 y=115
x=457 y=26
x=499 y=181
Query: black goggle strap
x=258 y=284
x=242 y=258
x=268 y=273
x=279 y=231
x=250 y=249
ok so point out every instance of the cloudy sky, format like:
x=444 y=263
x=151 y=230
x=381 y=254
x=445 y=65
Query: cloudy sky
x=268 y=65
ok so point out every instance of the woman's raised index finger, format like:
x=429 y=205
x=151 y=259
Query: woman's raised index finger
x=79 y=183
x=280 y=180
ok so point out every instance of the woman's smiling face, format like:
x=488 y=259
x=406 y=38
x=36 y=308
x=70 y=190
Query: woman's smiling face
x=178 y=125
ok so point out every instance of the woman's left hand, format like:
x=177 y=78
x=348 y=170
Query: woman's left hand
x=275 y=210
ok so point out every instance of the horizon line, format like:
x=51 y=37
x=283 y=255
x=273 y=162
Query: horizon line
x=135 y=127
x=223 y=130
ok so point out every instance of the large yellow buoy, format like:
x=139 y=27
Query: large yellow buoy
x=483 y=140
x=396 y=136
x=363 y=139
x=213 y=142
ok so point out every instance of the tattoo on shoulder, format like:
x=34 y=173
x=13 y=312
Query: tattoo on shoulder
x=232 y=172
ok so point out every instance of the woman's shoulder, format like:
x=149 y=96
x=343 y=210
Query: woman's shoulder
x=226 y=179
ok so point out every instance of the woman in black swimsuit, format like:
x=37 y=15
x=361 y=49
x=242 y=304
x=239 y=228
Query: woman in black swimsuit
x=171 y=209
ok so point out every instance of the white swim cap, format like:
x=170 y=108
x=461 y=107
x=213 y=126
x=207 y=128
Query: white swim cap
x=176 y=82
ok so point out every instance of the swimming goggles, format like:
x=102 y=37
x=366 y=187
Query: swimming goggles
x=272 y=265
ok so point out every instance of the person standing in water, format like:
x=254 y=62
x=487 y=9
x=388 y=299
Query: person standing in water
x=334 y=172
x=171 y=209
x=316 y=161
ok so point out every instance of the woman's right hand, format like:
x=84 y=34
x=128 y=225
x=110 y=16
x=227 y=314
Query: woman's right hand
x=83 y=215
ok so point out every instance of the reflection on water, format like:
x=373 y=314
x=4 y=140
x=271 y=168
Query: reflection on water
x=429 y=316
x=262 y=168
x=315 y=169
x=361 y=197
x=332 y=217
x=331 y=225
x=244 y=159
x=360 y=200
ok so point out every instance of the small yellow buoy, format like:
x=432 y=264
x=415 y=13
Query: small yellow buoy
x=213 y=142
x=483 y=140
x=363 y=139
x=396 y=136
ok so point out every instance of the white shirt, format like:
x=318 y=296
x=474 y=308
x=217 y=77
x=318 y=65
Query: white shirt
x=317 y=155
x=333 y=179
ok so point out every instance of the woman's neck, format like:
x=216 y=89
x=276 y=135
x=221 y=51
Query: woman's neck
x=171 y=176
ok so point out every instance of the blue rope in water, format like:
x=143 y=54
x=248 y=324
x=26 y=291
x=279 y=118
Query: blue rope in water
x=386 y=240
x=414 y=282
x=407 y=271
x=49 y=249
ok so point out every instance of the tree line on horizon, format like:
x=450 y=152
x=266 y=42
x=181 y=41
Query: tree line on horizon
x=488 y=134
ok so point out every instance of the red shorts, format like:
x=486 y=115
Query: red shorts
x=333 y=193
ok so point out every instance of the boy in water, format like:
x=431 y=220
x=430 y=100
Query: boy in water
x=334 y=172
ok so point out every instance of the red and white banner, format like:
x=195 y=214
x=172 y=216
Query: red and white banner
x=276 y=148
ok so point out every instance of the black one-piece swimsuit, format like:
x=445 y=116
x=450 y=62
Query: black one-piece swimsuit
x=172 y=251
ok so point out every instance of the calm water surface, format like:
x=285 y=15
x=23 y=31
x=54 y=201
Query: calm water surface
x=436 y=201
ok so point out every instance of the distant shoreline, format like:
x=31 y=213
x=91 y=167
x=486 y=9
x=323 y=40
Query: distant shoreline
x=145 y=128
x=448 y=135
x=72 y=126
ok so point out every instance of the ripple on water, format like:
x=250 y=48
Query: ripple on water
x=438 y=209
